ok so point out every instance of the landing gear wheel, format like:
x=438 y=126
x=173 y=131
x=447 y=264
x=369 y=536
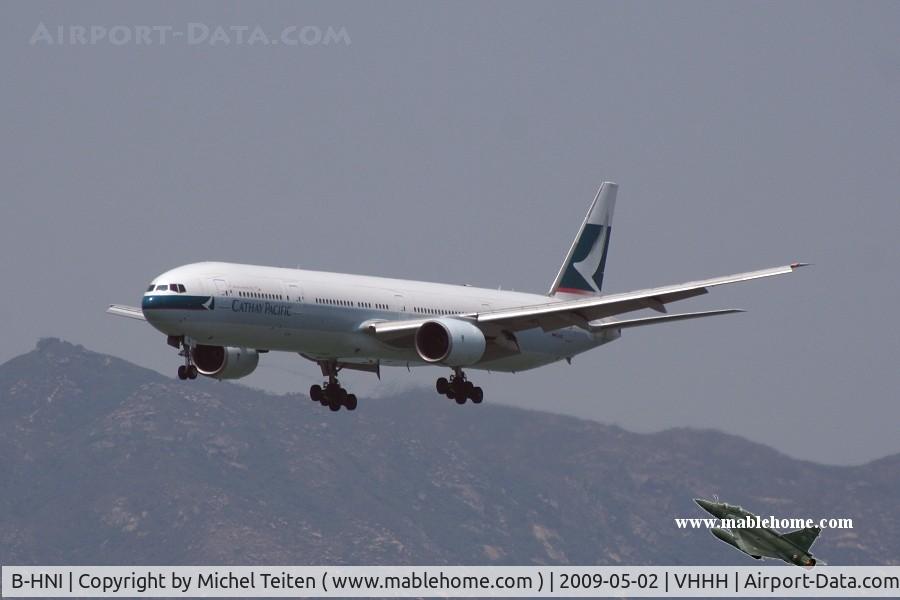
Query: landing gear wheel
x=459 y=388
x=182 y=372
x=477 y=395
x=330 y=393
x=192 y=372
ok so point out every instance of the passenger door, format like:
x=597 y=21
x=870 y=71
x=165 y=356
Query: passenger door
x=221 y=287
x=295 y=292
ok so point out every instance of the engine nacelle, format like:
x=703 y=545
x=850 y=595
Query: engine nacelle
x=450 y=342
x=224 y=362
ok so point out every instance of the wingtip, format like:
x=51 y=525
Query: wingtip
x=797 y=265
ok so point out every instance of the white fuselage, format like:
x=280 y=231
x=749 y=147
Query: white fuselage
x=323 y=316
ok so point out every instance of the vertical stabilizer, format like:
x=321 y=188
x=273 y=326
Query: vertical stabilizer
x=582 y=270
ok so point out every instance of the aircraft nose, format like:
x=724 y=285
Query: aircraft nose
x=706 y=505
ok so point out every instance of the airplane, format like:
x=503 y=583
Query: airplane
x=758 y=542
x=222 y=316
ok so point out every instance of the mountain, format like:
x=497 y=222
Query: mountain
x=105 y=462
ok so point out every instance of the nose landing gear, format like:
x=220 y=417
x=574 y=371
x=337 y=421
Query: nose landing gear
x=459 y=388
x=188 y=370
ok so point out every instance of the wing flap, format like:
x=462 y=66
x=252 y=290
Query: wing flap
x=626 y=324
x=131 y=312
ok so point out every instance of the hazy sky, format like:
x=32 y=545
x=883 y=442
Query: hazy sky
x=462 y=142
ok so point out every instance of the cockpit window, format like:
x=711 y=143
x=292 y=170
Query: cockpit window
x=151 y=288
x=162 y=288
x=178 y=287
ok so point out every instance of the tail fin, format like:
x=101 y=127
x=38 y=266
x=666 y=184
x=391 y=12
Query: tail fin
x=582 y=270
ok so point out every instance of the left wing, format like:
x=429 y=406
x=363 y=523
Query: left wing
x=803 y=538
x=121 y=310
x=582 y=311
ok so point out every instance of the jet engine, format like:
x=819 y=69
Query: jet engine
x=451 y=342
x=803 y=561
x=224 y=362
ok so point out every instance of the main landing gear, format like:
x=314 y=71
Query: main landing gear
x=459 y=388
x=330 y=393
x=187 y=370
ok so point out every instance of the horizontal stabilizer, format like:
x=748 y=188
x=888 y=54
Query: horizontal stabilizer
x=126 y=311
x=601 y=325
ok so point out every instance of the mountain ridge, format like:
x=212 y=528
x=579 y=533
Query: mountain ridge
x=110 y=462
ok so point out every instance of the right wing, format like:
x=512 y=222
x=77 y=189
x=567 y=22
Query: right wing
x=121 y=310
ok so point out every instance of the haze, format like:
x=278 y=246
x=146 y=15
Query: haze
x=462 y=142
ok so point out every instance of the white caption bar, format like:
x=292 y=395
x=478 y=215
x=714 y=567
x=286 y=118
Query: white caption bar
x=444 y=581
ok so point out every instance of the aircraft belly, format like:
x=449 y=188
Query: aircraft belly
x=754 y=542
x=539 y=348
x=318 y=333
x=328 y=333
